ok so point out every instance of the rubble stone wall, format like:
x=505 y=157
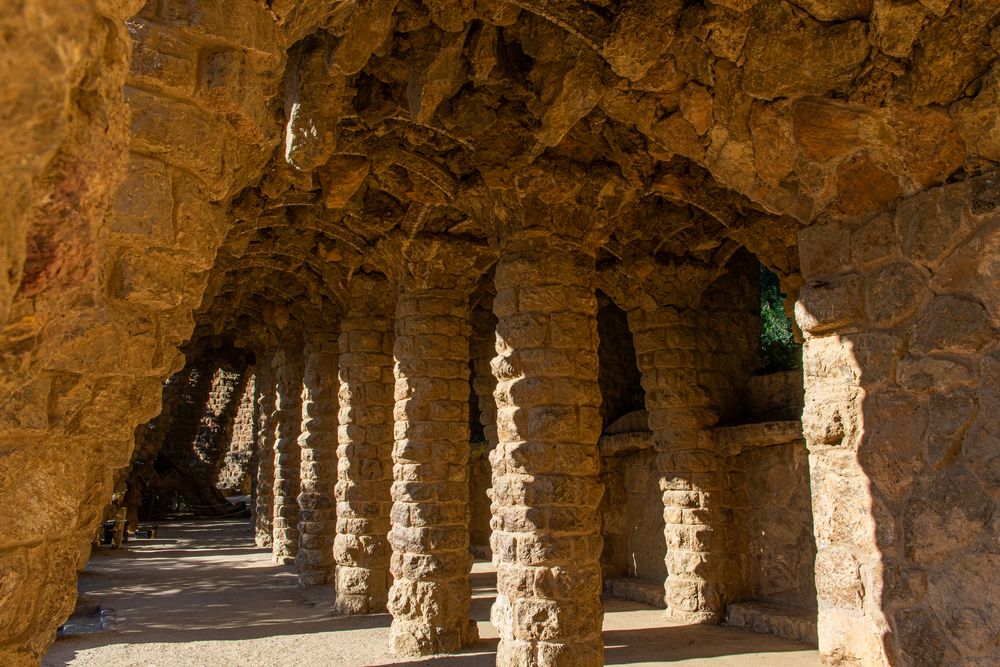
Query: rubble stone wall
x=234 y=477
x=632 y=518
x=781 y=547
x=107 y=277
x=224 y=170
x=215 y=428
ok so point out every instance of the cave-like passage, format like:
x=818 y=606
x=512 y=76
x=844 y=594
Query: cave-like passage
x=179 y=455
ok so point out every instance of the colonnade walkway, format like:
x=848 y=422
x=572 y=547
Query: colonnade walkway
x=202 y=594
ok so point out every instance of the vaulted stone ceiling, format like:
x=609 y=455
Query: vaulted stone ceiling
x=684 y=123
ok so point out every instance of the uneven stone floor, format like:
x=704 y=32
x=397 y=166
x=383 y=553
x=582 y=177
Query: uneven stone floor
x=202 y=594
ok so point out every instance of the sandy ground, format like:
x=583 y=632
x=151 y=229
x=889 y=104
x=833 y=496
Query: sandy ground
x=202 y=594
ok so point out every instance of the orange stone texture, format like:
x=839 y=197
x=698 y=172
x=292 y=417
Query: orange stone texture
x=433 y=281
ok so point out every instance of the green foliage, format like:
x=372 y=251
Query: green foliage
x=478 y=450
x=778 y=348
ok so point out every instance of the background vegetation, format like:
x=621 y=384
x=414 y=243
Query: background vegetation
x=778 y=349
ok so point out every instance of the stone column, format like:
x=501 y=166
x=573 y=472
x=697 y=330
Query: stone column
x=546 y=531
x=901 y=316
x=431 y=592
x=364 y=474
x=318 y=465
x=699 y=487
x=287 y=424
x=695 y=327
x=264 y=489
x=482 y=349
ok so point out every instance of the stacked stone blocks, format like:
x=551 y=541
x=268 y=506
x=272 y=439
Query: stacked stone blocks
x=264 y=489
x=318 y=461
x=431 y=594
x=364 y=474
x=546 y=540
x=287 y=458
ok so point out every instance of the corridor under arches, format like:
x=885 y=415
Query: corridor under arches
x=359 y=204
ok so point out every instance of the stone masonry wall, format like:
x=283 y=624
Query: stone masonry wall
x=901 y=313
x=234 y=477
x=694 y=364
x=108 y=276
x=482 y=349
x=632 y=518
x=215 y=428
x=779 y=526
x=150 y=202
x=186 y=460
x=619 y=377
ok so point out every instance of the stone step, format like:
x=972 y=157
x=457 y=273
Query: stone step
x=645 y=591
x=789 y=622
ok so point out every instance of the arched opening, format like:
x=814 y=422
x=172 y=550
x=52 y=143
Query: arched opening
x=195 y=457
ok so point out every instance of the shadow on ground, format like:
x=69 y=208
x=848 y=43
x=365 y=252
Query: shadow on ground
x=202 y=594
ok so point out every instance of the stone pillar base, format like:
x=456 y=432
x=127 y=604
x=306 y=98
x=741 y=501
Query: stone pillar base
x=693 y=617
x=413 y=639
x=522 y=653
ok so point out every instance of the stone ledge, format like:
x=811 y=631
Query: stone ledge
x=788 y=622
x=645 y=591
x=735 y=439
x=624 y=443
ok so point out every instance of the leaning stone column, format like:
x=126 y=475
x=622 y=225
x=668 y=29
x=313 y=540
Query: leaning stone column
x=431 y=592
x=288 y=421
x=546 y=540
x=694 y=478
x=318 y=465
x=364 y=474
x=264 y=499
x=691 y=351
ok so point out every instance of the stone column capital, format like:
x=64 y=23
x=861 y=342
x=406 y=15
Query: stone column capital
x=555 y=199
x=645 y=281
x=442 y=263
x=370 y=294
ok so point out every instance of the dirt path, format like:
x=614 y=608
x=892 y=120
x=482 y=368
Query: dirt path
x=202 y=594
